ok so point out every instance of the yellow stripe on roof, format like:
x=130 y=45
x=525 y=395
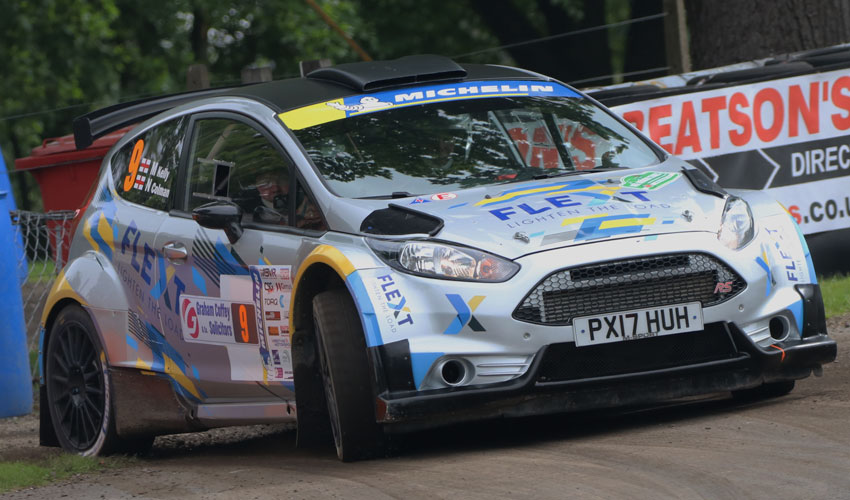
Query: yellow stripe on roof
x=314 y=114
x=317 y=114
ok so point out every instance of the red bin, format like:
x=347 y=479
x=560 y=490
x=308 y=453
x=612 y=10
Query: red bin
x=65 y=175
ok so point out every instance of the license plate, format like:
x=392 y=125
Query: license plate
x=637 y=324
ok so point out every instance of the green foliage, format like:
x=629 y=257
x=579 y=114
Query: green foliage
x=396 y=28
x=62 y=59
x=17 y=475
x=836 y=294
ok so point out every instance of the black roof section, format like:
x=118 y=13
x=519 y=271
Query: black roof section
x=320 y=85
x=386 y=74
x=283 y=95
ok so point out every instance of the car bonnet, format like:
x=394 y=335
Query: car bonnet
x=516 y=219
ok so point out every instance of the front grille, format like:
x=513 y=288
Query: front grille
x=563 y=362
x=629 y=284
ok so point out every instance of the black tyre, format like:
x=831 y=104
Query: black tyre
x=78 y=389
x=347 y=378
x=765 y=391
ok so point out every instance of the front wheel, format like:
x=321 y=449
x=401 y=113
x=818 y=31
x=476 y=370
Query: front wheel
x=347 y=377
x=78 y=389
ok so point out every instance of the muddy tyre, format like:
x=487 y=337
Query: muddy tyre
x=347 y=377
x=79 y=391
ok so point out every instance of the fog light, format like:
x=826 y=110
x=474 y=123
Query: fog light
x=779 y=328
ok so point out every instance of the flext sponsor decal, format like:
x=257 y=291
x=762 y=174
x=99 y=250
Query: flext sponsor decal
x=391 y=306
x=337 y=109
x=572 y=201
x=464 y=309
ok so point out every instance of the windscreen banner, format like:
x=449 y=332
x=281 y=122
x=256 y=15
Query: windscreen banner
x=790 y=136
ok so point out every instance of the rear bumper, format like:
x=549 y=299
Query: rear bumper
x=748 y=367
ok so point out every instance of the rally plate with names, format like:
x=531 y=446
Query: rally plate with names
x=637 y=324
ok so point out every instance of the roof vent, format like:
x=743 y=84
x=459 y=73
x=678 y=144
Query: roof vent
x=375 y=75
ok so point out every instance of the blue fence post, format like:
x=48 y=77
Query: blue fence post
x=15 y=378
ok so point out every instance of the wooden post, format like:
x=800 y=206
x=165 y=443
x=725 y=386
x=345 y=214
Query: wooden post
x=676 y=37
x=197 y=77
x=312 y=65
x=256 y=75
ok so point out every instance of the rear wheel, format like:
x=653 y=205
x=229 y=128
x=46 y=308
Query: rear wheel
x=347 y=377
x=765 y=391
x=79 y=390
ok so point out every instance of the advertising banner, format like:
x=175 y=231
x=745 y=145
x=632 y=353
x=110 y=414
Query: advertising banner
x=790 y=136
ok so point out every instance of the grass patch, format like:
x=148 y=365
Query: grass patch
x=836 y=294
x=18 y=475
x=41 y=271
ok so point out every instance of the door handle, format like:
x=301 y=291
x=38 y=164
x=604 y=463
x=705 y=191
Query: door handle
x=175 y=252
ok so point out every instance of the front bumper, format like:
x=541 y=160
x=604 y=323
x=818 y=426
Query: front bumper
x=747 y=365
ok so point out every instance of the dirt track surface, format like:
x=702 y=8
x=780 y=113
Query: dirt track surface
x=794 y=447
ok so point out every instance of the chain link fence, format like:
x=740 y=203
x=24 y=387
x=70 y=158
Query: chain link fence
x=43 y=240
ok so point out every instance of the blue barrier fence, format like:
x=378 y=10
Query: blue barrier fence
x=15 y=375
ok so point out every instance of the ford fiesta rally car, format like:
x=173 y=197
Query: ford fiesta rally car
x=387 y=246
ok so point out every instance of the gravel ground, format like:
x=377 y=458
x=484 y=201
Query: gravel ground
x=795 y=447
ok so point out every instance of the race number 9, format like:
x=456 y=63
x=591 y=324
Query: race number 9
x=243 y=323
x=135 y=159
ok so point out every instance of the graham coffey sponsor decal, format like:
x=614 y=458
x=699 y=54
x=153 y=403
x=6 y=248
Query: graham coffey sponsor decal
x=790 y=136
x=217 y=321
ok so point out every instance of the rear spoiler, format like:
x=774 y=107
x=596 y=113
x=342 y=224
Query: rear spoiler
x=90 y=126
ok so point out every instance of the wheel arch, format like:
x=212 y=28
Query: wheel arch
x=326 y=268
x=73 y=286
x=91 y=282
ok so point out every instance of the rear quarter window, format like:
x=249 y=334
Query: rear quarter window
x=145 y=169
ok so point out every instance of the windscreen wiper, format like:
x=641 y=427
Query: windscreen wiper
x=577 y=172
x=392 y=196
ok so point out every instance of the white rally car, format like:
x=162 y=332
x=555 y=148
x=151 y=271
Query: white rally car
x=387 y=246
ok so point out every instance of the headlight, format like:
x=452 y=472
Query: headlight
x=736 y=226
x=439 y=260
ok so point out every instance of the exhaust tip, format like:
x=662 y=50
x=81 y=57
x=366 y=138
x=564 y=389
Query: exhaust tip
x=453 y=372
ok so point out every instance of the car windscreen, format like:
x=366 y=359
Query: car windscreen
x=457 y=144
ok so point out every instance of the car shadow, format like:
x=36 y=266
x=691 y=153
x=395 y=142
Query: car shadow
x=259 y=444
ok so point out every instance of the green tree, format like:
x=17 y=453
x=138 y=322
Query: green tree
x=52 y=57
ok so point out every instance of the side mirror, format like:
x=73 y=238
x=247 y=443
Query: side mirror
x=221 y=215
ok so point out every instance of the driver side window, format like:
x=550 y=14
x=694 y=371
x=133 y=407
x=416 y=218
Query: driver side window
x=232 y=161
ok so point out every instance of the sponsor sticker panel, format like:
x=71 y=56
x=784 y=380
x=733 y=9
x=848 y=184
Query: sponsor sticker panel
x=208 y=320
x=272 y=287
